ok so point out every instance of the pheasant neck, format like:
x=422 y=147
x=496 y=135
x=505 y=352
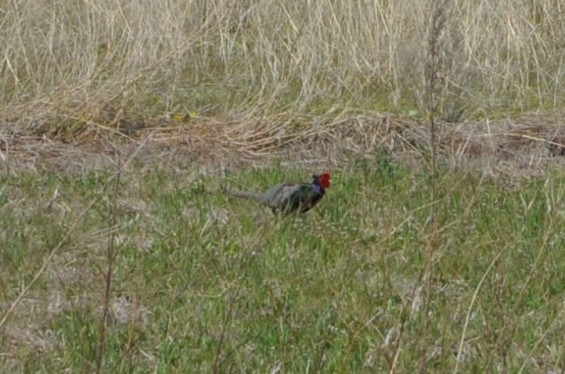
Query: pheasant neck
x=317 y=189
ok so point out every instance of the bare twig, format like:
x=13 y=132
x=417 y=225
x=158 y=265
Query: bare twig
x=437 y=24
x=216 y=368
x=110 y=257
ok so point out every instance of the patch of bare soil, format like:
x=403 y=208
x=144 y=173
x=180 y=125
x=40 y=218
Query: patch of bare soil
x=524 y=144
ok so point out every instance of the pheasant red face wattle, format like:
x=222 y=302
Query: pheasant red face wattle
x=325 y=180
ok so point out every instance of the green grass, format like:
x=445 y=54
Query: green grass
x=202 y=282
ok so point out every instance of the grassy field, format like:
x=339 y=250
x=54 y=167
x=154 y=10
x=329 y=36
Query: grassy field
x=204 y=283
x=429 y=256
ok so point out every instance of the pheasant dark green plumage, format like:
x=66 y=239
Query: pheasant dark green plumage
x=288 y=198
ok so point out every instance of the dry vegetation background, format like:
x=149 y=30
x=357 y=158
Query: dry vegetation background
x=76 y=65
x=336 y=84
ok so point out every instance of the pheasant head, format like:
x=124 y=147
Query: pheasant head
x=323 y=180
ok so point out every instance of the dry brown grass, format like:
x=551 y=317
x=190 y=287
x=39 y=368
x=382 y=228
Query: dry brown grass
x=522 y=144
x=69 y=65
x=215 y=81
x=220 y=82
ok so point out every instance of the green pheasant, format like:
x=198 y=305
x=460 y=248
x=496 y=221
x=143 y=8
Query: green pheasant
x=289 y=198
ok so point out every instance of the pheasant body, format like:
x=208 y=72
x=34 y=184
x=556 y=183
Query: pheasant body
x=289 y=198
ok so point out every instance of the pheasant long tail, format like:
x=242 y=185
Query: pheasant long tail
x=247 y=195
